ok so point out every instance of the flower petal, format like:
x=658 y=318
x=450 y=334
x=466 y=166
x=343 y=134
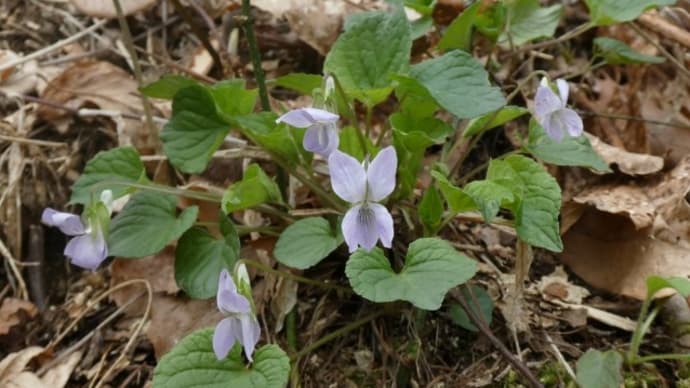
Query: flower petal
x=384 y=224
x=553 y=126
x=88 y=250
x=322 y=116
x=359 y=227
x=545 y=102
x=348 y=178
x=224 y=336
x=69 y=224
x=321 y=139
x=563 y=90
x=251 y=331
x=306 y=117
x=571 y=121
x=381 y=174
x=228 y=300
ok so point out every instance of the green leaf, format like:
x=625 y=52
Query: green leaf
x=306 y=242
x=616 y=52
x=459 y=84
x=430 y=210
x=493 y=119
x=432 y=267
x=488 y=196
x=409 y=148
x=147 y=223
x=254 y=189
x=415 y=100
x=486 y=306
x=261 y=129
x=109 y=170
x=597 y=369
x=300 y=82
x=458 y=201
x=232 y=99
x=607 y=12
x=537 y=199
x=195 y=130
x=199 y=258
x=657 y=283
x=571 y=151
x=351 y=145
x=167 y=86
x=373 y=47
x=491 y=19
x=458 y=35
x=192 y=363
x=528 y=21
x=435 y=129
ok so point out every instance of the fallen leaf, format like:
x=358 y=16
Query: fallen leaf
x=104 y=86
x=14 y=376
x=632 y=232
x=14 y=311
x=283 y=301
x=18 y=80
x=106 y=8
x=630 y=163
x=557 y=286
x=14 y=363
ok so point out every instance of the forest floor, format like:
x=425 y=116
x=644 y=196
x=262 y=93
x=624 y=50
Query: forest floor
x=61 y=326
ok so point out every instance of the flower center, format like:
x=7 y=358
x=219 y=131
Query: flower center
x=365 y=215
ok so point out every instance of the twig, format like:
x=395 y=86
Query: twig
x=653 y=21
x=248 y=25
x=681 y=67
x=481 y=325
x=631 y=118
x=187 y=17
x=337 y=333
x=23 y=140
x=23 y=293
x=129 y=44
x=55 y=46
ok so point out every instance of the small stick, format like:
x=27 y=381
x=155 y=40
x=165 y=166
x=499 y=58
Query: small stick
x=653 y=21
x=248 y=25
x=481 y=325
x=55 y=46
x=664 y=52
x=23 y=293
x=129 y=43
x=199 y=33
x=36 y=272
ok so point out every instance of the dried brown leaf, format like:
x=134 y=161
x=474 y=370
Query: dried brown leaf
x=630 y=163
x=14 y=312
x=636 y=231
x=106 y=8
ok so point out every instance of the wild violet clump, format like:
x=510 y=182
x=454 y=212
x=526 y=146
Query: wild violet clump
x=371 y=182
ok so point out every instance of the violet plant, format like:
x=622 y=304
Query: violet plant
x=366 y=184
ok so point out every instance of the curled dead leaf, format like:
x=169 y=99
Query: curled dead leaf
x=630 y=163
x=631 y=233
x=106 y=8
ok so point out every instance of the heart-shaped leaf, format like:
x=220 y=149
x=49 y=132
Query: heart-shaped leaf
x=306 y=242
x=432 y=267
x=192 y=363
x=147 y=224
x=597 y=369
x=109 y=170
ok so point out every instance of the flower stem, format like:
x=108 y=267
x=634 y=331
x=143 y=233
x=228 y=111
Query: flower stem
x=248 y=26
x=643 y=323
x=666 y=356
x=288 y=275
x=335 y=334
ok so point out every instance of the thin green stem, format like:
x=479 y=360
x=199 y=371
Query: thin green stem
x=577 y=31
x=367 y=122
x=129 y=45
x=337 y=333
x=666 y=356
x=203 y=196
x=248 y=26
x=636 y=339
x=297 y=278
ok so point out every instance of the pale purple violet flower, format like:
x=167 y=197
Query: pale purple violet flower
x=363 y=185
x=88 y=248
x=552 y=114
x=322 y=133
x=240 y=324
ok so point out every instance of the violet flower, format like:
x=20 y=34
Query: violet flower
x=322 y=133
x=240 y=324
x=363 y=185
x=552 y=114
x=88 y=247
